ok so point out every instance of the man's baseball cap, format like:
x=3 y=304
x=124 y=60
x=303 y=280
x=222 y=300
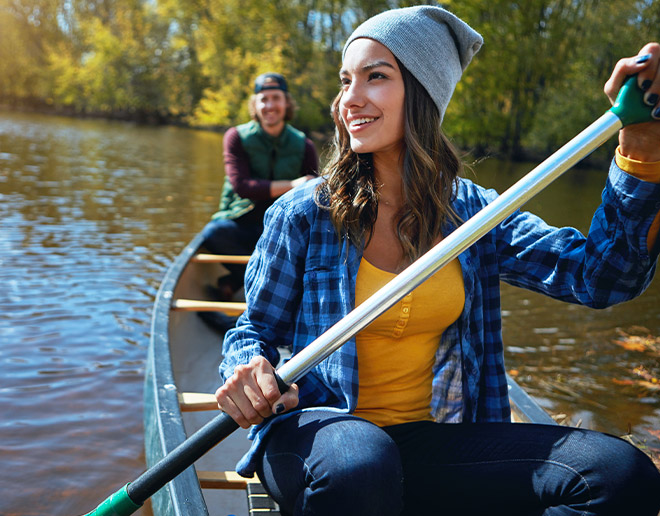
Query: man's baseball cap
x=270 y=81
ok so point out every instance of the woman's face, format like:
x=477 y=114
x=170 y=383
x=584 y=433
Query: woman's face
x=371 y=104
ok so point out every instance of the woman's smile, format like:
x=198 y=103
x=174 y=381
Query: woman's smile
x=358 y=124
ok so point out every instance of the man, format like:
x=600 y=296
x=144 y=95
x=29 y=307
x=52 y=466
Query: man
x=263 y=159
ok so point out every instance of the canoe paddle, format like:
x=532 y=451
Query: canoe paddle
x=628 y=109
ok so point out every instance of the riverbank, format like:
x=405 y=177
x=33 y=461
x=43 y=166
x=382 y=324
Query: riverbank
x=322 y=138
x=141 y=117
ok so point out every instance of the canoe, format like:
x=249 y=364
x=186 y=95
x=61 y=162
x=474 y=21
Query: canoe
x=182 y=374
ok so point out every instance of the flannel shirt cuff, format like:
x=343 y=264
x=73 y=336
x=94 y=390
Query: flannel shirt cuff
x=637 y=198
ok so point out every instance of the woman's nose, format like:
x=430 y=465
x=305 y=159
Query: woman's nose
x=353 y=95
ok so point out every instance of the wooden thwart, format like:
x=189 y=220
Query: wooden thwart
x=223 y=480
x=197 y=401
x=194 y=305
x=219 y=258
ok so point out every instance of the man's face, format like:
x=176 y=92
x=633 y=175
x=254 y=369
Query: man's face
x=270 y=107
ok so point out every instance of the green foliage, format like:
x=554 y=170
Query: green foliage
x=539 y=78
x=25 y=28
x=536 y=82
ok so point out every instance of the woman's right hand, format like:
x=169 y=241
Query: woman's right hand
x=251 y=394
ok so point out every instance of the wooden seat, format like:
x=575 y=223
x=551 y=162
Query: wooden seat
x=197 y=401
x=219 y=258
x=223 y=480
x=194 y=305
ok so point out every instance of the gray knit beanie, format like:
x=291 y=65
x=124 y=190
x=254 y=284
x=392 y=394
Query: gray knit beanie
x=433 y=44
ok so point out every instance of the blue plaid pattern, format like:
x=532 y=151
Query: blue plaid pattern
x=301 y=277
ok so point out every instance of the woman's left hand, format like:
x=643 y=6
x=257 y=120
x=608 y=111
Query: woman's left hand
x=640 y=141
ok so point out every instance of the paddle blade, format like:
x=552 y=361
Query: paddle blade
x=630 y=106
x=117 y=504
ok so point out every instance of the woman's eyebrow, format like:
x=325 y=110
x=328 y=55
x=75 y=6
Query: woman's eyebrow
x=369 y=66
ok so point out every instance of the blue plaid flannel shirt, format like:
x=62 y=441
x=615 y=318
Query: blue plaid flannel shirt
x=301 y=279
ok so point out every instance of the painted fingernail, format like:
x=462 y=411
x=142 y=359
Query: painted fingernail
x=646 y=84
x=279 y=408
x=643 y=59
x=651 y=99
x=656 y=114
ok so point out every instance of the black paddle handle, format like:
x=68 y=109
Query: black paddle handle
x=184 y=455
x=179 y=459
x=283 y=386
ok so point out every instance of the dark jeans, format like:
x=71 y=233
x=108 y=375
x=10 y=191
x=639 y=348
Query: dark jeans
x=223 y=236
x=326 y=463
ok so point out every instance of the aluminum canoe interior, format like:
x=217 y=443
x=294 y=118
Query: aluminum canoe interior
x=184 y=354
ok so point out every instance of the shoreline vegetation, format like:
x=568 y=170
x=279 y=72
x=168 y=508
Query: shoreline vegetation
x=534 y=85
x=321 y=138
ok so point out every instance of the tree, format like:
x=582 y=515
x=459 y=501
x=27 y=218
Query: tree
x=536 y=82
x=26 y=27
x=539 y=77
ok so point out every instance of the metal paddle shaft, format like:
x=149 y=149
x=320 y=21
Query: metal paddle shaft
x=628 y=109
x=451 y=246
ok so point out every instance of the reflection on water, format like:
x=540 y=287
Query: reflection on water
x=92 y=213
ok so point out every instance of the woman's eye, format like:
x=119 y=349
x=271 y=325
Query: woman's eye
x=376 y=75
x=345 y=81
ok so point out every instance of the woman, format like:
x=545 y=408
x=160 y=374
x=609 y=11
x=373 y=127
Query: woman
x=422 y=422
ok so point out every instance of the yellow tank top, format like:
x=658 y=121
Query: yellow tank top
x=396 y=352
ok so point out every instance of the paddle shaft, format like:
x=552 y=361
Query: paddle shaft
x=629 y=108
x=451 y=246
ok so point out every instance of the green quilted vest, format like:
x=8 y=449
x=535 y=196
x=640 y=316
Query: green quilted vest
x=270 y=158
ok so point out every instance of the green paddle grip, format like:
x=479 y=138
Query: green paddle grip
x=629 y=105
x=117 y=504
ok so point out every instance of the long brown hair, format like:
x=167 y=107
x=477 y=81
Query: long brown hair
x=431 y=167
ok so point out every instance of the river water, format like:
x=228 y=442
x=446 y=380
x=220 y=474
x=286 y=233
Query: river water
x=92 y=213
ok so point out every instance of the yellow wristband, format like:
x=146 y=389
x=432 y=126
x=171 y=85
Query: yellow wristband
x=644 y=170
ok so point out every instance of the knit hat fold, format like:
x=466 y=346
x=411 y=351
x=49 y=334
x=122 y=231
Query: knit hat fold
x=432 y=43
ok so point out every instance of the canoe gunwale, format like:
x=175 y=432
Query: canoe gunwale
x=524 y=406
x=163 y=422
